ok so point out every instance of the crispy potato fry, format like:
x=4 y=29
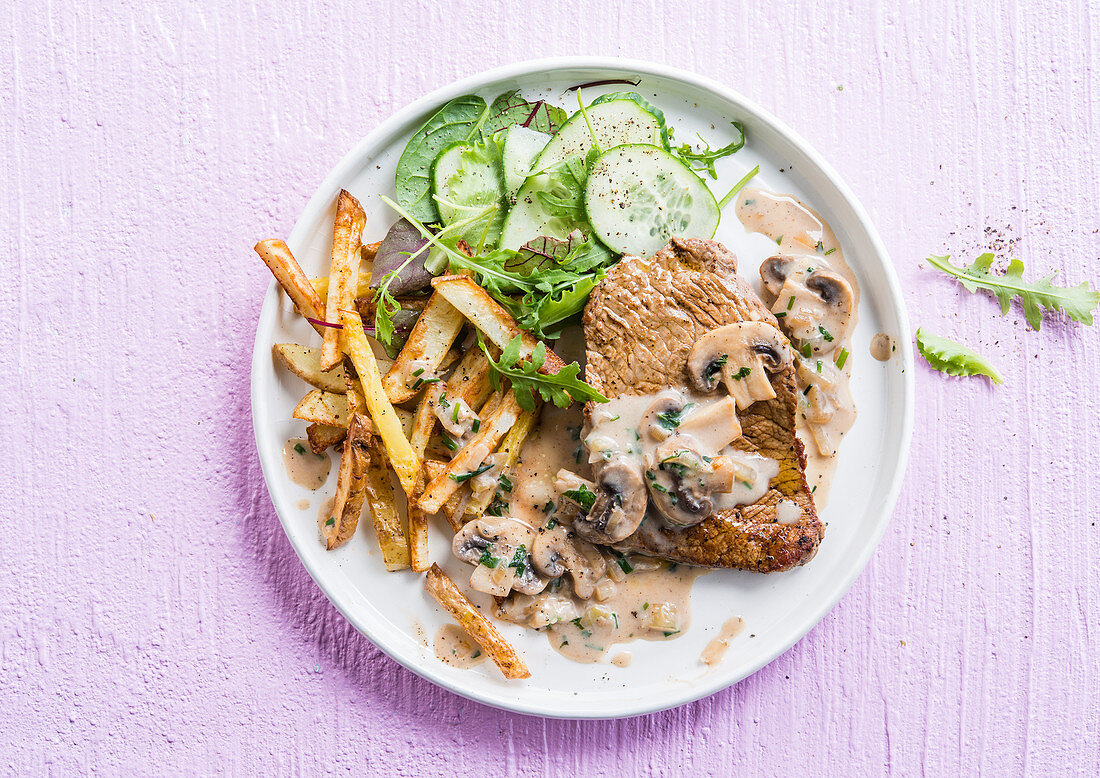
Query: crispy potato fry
x=388 y=526
x=362 y=287
x=510 y=448
x=305 y=362
x=323 y=437
x=370 y=251
x=471 y=456
x=322 y=407
x=424 y=420
x=470 y=381
x=406 y=419
x=351 y=485
x=490 y=317
x=347 y=231
x=418 y=363
x=405 y=461
x=456 y=503
x=449 y=596
x=418 y=534
x=282 y=264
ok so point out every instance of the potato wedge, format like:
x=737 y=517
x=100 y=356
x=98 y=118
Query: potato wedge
x=430 y=340
x=351 y=485
x=490 y=318
x=323 y=437
x=405 y=461
x=347 y=232
x=388 y=526
x=510 y=448
x=418 y=534
x=472 y=455
x=456 y=503
x=282 y=264
x=305 y=362
x=324 y=408
x=453 y=601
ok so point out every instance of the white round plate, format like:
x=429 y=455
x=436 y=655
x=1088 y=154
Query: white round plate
x=393 y=610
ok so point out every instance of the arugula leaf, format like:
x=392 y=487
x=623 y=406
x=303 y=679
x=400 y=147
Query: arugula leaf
x=1077 y=302
x=949 y=357
x=563 y=388
x=459 y=120
x=510 y=109
x=705 y=158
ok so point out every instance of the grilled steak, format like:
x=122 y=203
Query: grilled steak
x=639 y=325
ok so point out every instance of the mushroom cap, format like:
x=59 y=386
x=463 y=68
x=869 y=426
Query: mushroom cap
x=774 y=271
x=724 y=350
x=678 y=485
x=556 y=551
x=620 y=503
x=505 y=535
x=668 y=400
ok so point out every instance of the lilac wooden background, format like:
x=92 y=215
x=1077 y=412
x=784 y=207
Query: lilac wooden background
x=154 y=617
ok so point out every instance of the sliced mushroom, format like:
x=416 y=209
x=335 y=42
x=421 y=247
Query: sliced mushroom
x=619 y=506
x=775 y=271
x=506 y=544
x=742 y=355
x=662 y=417
x=679 y=485
x=816 y=310
x=557 y=552
x=826 y=404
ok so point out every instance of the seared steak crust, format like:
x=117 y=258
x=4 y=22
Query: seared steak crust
x=639 y=326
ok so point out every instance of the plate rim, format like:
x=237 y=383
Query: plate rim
x=613 y=65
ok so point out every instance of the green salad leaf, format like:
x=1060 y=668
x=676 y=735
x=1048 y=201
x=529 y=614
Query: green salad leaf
x=949 y=357
x=1036 y=297
x=705 y=158
x=510 y=109
x=562 y=388
x=459 y=120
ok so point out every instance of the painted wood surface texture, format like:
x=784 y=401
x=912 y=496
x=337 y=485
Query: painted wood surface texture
x=156 y=620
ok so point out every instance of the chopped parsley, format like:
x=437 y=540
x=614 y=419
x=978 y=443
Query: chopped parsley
x=670 y=420
x=716 y=365
x=807 y=350
x=331 y=521
x=742 y=373
x=487 y=558
x=464 y=477
x=582 y=496
x=506 y=483
x=519 y=559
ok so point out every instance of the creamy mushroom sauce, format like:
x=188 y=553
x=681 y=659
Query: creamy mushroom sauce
x=303 y=467
x=616 y=434
x=454 y=647
x=716 y=649
x=826 y=408
x=882 y=347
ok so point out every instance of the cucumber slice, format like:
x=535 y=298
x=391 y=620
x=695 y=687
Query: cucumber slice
x=550 y=204
x=638 y=196
x=467 y=177
x=521 y=146
x=614 y=123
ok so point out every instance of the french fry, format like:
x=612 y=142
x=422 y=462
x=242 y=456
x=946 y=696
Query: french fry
x=510 y=448
x=322 y=407
x=323 y=437
x=490 y=318
x=453 y=601
x=351 y=485
x=406 y=419
x=455 y=504
x=388 y=526
x=282 y=264
x=470 y=456
x=470 y=381
x=362 y=286
x=435 y=330
x=418 y=533
x=370 y=250
x=405 y=461
x=424 y=420
x=347 y=231
x=305 y=362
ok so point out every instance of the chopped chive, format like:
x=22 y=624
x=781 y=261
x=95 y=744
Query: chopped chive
x=449 y=442
x=779 y=241
x=807 y=351
x=830 y=251
x=819 y=365
x=331 y=521
x=476 y=426
x=464 y=477
x=842 y=358
x=781 y=314
x=419 y=372
x=299 y=448
x=825 y=333
x=454 y=413
x=506 y=483
x=806 y=391
x=790 y=303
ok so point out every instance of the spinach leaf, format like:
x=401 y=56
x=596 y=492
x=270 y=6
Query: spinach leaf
x=949 y=357
x=1076 y=301
x=459 y=120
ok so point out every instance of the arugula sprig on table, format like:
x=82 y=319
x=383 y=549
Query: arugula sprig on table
x=1036 y=297
x=562 y=388
x=953 y=358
